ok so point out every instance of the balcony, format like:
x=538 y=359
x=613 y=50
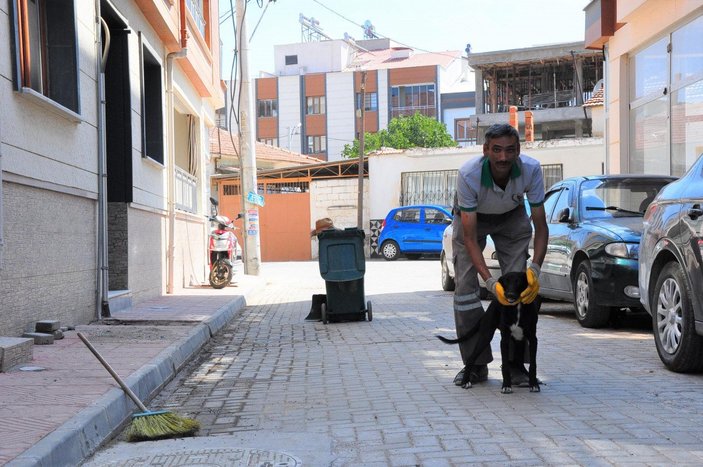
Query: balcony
x=409 y=111
x=186 y=191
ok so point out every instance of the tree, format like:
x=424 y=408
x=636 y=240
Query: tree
x=417 y=131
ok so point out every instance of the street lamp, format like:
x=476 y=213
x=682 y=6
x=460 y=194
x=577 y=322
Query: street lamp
x=293 y=130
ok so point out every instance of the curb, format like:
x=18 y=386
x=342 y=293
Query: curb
x=82 y=435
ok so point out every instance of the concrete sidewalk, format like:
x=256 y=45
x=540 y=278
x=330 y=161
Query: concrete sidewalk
x=58 y=409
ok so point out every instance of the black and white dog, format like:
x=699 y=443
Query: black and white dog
x=518 y=320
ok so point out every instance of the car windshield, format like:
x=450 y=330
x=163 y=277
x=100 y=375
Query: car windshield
x=621 y=197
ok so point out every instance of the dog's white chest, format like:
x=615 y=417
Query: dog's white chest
x=515 y=328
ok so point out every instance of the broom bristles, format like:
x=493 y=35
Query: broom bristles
x=160 y=425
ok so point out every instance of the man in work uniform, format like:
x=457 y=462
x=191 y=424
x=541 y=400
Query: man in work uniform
x=490 y=201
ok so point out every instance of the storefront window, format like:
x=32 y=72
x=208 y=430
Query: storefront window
x=649 y=148
x=686 y=127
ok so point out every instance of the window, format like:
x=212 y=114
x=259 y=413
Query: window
x=370 y=101
x=267 y=108
x=317 y=144
x=316 y=105
x=464 y=131
x=559 y=205
x=406 y=100
x=666 y=117
x=46 y=50
x=152 y=107
x=291 y=59
x=435 y=216
x=410 y=215
x=195 y=7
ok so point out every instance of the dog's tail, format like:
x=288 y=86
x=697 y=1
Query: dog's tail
x=463 y=338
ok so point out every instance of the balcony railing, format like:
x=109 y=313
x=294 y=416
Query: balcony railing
x=186 y=191
x=409 y=111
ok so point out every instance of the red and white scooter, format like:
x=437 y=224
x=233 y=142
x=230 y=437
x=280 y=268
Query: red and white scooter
x=222 y=250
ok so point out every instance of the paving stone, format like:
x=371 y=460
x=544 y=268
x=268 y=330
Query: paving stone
x=47 y=326
x=40 y=338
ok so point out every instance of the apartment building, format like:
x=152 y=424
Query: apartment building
x=106 y=106
x=311 y=103
x=654 y=82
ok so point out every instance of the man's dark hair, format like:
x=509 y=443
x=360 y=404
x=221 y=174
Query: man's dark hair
x=499 y=130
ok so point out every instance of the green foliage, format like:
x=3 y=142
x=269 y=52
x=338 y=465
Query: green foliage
x=417 y=131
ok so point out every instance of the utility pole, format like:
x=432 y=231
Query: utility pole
x=247 y=154
x=360 y=199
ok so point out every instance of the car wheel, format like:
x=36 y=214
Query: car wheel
x=678 y=345
x=447 y=280
x=588 y=313
x=390 y=250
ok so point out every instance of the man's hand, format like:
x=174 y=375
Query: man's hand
x=496 y=289
x=530 y=293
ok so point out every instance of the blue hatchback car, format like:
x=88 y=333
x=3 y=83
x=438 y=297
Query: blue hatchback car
x=413 y=231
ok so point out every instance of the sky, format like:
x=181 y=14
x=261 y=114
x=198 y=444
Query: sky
x=436 y=25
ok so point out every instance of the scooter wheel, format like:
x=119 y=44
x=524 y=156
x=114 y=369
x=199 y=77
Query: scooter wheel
x=369 y=313
x=220 y=275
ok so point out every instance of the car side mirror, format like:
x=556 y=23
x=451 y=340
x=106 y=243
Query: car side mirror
x=564 y=215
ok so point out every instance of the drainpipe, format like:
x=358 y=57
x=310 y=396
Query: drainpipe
x=102 y=50
x=172 y=151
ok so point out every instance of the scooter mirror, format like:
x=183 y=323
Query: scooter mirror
x=213 y=201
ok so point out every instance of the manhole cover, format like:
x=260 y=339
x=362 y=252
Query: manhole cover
x=225 y=457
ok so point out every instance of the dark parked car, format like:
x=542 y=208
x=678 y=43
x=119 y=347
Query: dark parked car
x=413 y=231
x=671 y=271
x=595 y=224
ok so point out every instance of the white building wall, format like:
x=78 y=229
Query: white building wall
x=49 y=180
x=383 y=99
x=289 y=112
x=313 y=57
x=579 y=157
x=340 y=113
x=449 y=115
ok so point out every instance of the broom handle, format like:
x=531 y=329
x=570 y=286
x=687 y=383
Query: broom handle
x=107 y=366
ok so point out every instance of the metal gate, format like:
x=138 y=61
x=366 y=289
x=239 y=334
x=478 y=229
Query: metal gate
x=284 y=220
x=433 y=187
x=438 y=186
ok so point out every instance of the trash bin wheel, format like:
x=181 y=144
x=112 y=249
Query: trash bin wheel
x=323 y=313
x=369 y=313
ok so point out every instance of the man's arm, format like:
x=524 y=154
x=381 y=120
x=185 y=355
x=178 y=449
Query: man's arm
x=539 y=220
x=468 y=224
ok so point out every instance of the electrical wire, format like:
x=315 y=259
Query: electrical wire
x=379 y=34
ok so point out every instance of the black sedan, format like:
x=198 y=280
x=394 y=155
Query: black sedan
x=595 y=224
x=671 y=271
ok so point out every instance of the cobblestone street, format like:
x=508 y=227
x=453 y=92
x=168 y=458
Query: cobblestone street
x=381 y=392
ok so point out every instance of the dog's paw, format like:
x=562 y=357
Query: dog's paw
x=535 y=388
x=467 y=385
x=507 y=390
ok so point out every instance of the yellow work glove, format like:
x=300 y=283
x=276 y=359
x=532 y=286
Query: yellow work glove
x=496 y=288
x=530 y=293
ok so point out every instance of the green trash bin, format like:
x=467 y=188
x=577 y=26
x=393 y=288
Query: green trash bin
x=342 y=266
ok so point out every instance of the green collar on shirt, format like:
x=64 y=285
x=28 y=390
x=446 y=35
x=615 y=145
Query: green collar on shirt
x=487 y=178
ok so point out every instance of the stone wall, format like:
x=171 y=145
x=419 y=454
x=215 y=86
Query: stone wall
x=49 y=266
x=337 y=199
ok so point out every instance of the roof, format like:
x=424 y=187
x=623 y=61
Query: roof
x=394 y=58
x=596 y=99
x=221 y=143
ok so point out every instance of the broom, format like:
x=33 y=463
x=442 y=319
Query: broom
x=148 y=425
